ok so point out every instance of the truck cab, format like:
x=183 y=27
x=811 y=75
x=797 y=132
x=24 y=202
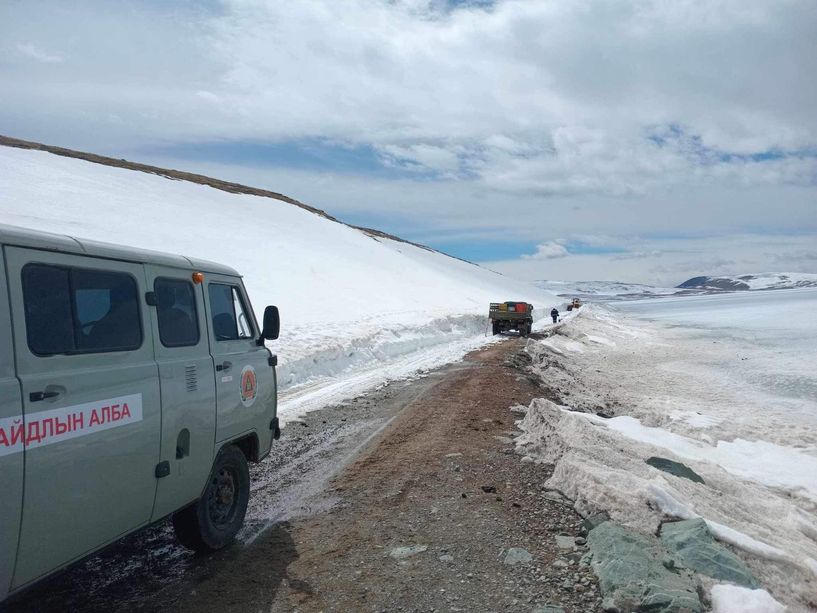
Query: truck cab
x=134 y=385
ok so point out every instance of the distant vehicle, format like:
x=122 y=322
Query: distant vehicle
x=574 y=304
x=507 y=316
x=134 y=385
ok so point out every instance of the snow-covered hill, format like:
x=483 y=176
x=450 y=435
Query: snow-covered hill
x=759 y=281
x=356 y=309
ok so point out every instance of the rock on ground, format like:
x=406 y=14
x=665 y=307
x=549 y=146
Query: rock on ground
x=674 y=468
x=694 y=546
x=636 y=575
x=517 y=555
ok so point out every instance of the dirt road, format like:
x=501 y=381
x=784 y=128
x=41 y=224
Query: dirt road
x=408 y=499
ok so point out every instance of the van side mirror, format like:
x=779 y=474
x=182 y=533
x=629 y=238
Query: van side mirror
x=272 y=324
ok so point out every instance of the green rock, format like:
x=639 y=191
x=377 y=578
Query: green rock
x=592 y=521
x=633 y=575
x=674 y=468
x=692 y=543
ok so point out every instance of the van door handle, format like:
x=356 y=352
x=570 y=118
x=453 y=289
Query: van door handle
x=224 y=366
x=37 y=396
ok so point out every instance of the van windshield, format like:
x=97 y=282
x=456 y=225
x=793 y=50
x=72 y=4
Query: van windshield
x=230 y=316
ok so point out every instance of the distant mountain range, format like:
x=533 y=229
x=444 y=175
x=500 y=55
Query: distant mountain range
x=604 y=290
x=765 y=281
x=614 y=290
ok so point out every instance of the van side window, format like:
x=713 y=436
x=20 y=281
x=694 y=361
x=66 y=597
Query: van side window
x=230 y=316
x=78 y=310
x=176 y=312
x=49 y=321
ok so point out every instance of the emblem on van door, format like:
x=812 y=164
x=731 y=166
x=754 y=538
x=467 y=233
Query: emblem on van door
x=249 y=385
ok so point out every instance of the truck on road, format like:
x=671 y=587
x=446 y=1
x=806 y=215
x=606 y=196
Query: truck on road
x=134 y=386
x=506 y=316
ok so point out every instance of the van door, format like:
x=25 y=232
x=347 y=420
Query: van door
x=245 y=387
x=90 y=391
x=11 y=447
x=182 y=351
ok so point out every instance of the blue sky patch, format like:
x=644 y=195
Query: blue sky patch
x=319 y=155
x=676 y=136
x=581 y=248
x=484 y=250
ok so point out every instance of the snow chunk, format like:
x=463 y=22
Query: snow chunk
x=600 y=340
x=733 y=599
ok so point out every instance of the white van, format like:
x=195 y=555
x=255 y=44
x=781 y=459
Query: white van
x=134 y=385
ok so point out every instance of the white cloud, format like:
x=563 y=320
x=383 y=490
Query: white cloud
x=668 y=263
x=578 y=75
x=538 y=120
x=30 y=51
x=548 y=251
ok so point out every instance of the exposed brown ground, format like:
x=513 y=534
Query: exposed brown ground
x=406 y=489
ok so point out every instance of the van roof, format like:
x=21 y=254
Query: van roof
x=34 y=239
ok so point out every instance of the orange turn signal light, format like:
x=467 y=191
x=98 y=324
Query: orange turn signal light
x=198 y=277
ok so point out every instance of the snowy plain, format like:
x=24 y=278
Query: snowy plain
x=725 y=384
x=603 y=290
x=356 y=310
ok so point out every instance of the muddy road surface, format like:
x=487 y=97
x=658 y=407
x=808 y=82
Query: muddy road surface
x=410 y=498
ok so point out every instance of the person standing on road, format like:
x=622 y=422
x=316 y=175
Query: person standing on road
x=554 y=313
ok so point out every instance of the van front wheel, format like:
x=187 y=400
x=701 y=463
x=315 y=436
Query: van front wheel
x=214 y=520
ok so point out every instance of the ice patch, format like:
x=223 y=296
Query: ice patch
x=600 y=340
x=767 y=463
x=734 y=599
x=695 y=419
x=570 y=345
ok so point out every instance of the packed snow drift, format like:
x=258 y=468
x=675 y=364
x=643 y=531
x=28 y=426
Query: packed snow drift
x=724 y=385
x=356 y=310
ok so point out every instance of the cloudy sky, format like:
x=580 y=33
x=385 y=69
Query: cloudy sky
x=636 y=140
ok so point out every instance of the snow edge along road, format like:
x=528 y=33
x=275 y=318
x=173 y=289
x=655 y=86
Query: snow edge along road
x=355 y=366
x=627 y=372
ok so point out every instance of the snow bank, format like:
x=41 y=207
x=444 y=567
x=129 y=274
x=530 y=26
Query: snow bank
x=781 y=467
x=689 y=397
x=350 y=303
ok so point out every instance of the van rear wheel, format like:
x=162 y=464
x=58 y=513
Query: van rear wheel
x=214 y=520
